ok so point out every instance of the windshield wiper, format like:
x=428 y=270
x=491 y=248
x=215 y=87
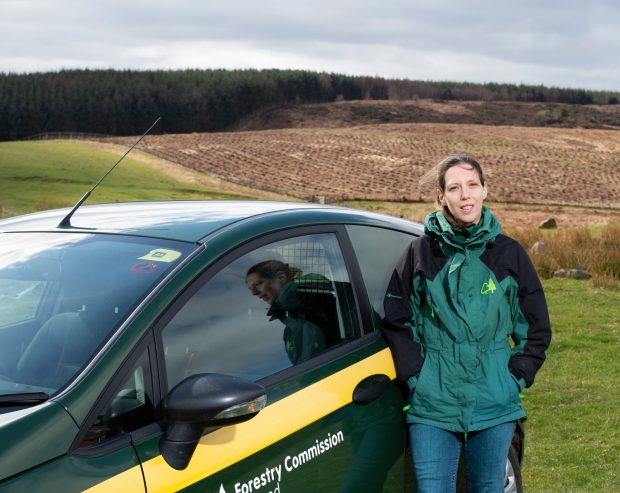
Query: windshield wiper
x=23 y=399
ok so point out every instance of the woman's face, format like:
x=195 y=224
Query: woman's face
x=265 y=288
x=463 y=195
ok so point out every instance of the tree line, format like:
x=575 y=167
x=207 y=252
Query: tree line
x=126 y=102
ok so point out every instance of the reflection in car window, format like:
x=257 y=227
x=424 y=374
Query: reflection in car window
x=377 y=251
x=63 y=294
x=272 y=308
x=130 y=408
x=19 y=299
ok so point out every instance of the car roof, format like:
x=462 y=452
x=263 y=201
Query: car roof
x=176 y=220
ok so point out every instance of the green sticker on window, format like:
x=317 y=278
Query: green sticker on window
x=161 y=255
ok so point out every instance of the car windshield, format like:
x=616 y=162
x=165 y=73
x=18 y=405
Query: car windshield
x=62 y=295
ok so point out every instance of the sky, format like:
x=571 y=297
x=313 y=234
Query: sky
x=559 y=43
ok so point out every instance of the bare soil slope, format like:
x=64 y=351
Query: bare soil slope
x=572 y=173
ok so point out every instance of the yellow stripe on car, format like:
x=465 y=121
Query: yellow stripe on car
x=231 y=444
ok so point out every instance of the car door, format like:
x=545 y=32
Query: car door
x=333 y=420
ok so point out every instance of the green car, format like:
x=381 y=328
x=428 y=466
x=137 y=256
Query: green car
x=225 y=347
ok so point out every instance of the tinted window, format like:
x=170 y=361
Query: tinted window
x=377 y=251
x=275 y=307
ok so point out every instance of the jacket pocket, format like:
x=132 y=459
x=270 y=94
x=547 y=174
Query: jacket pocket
x=520 y=383
x=422 y=380
x=498 y=393
x=434 y=392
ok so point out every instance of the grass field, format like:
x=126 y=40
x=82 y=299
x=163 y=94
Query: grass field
x=573 y=429
x=51 y=174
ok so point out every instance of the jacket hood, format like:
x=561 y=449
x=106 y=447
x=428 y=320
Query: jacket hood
x=476 y=236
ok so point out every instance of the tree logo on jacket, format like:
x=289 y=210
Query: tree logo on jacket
x=488 y=287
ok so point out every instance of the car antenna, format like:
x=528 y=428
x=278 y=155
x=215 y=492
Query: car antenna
x=66 y=222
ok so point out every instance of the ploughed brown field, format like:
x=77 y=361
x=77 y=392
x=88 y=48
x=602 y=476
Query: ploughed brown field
x=572 y=174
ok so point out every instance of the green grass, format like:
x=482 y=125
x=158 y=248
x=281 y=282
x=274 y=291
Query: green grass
x=50 y=174
x=573 y=429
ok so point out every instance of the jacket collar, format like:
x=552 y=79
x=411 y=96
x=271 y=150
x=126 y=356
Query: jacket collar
x=476 y=236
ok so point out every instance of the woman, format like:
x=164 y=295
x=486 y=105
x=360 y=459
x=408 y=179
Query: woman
x=456 y=296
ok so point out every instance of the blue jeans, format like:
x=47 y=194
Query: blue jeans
x=436 y=452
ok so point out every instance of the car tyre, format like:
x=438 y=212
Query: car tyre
x=513 y=482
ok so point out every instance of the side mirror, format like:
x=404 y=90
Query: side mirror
x=202 y=401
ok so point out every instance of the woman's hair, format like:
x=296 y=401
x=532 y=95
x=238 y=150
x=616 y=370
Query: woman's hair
x=269 y=269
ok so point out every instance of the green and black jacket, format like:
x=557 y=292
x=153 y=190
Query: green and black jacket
x=454 y=300
x=302 y=338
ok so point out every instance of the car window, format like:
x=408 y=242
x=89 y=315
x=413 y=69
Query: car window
x=377 y=251
x=274 y=307
x=129 y=408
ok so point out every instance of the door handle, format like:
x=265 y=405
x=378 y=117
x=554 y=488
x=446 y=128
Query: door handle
x=370 y=388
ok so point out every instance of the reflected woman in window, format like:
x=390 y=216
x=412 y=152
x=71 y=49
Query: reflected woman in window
x=272 y=281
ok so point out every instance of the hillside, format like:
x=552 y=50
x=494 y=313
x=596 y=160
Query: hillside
x=125 y=102
x=570 y=173
x=356 y=113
